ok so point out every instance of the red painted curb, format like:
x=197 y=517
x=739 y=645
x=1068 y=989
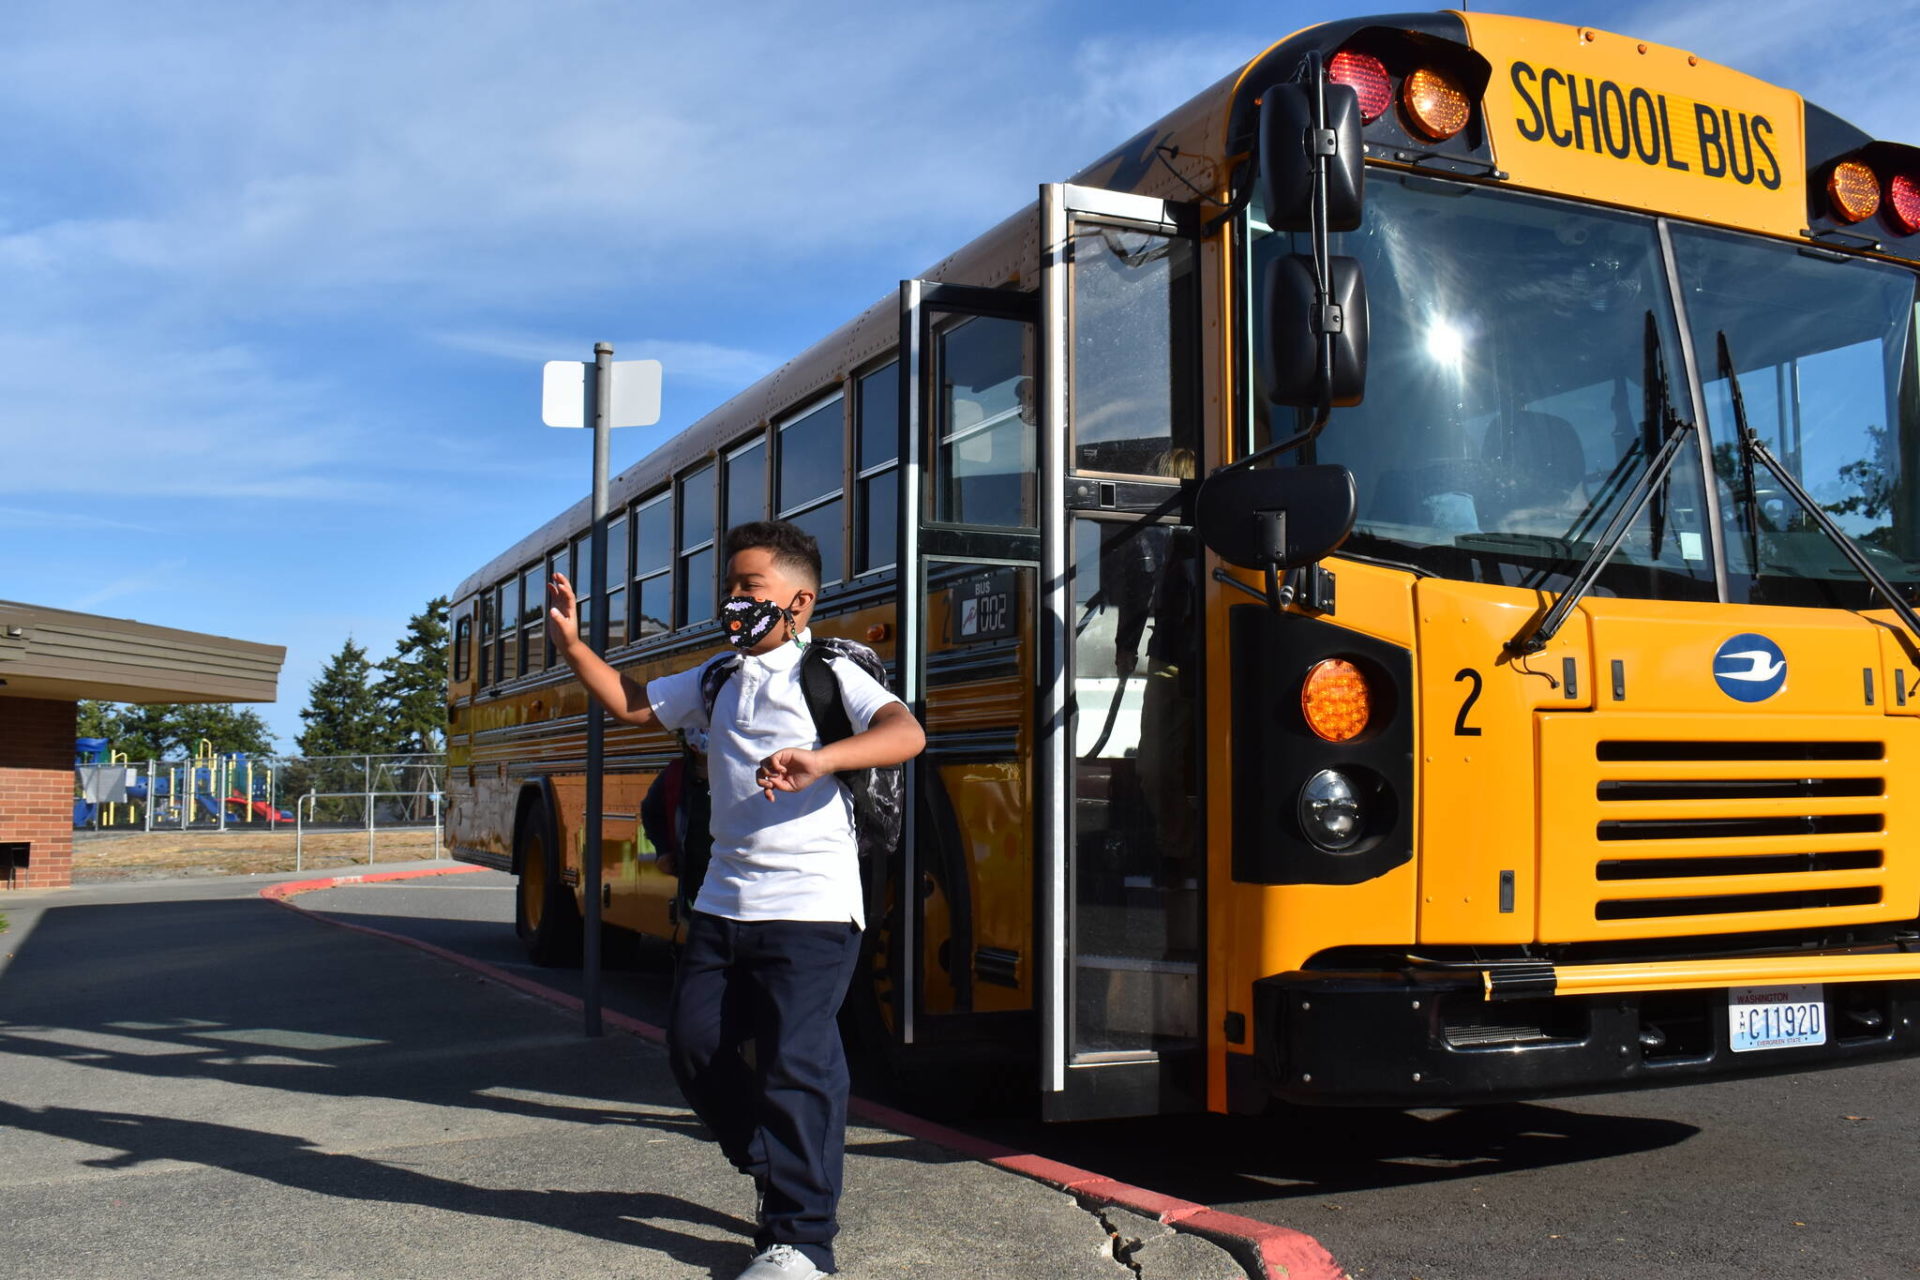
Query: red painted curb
x=1280 y=1253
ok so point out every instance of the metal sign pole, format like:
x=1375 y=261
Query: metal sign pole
x=596 y=717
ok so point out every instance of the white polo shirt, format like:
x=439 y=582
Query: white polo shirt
x=793 y=858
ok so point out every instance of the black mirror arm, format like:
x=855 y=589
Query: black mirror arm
x=1273 y=550
x=1328 y=320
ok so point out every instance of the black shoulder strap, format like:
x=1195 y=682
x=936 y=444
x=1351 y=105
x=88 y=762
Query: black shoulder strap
x=714 y=676
x=822 y=691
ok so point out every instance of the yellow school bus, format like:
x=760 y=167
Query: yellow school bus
x=1406 y=566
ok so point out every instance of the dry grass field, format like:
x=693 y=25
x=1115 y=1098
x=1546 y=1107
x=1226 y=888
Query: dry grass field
x=243 y=851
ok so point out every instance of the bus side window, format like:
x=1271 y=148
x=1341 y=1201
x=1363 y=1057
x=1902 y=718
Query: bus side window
x=508 y=611
x=812 y=478
x=462 y=648
x=617 y=581
x=699 y=566
x=877 y=468
x=486 y=637
x=746 y=482
x=653 y=566
x=533 y=608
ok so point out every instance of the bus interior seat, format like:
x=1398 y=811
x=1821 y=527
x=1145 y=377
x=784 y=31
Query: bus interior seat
x=1443 y=494
x=1536 y=461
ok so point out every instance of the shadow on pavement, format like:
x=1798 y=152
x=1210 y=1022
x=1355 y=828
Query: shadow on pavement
x=238 y=990
x=1230 y=1161
x=297 y=1163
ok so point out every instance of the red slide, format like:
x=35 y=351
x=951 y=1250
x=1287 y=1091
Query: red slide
x=262 y=809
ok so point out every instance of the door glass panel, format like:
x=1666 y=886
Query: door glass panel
x=985 y=458
x=1133 y=356
x=974 y=838
x=1136 y=865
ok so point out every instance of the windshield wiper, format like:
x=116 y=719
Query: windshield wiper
x=1672 y=431
x=1652 y=424
x=1752 y=448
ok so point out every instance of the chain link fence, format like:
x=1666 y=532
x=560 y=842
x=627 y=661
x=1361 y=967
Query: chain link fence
x=297 y=794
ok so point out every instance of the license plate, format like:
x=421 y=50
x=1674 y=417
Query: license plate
x=1776 y=1017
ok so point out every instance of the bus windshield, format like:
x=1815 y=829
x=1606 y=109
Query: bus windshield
x=1825 y=357
x=1524 y=367
x=1524 y=362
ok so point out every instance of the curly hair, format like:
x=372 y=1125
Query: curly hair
x=794 y=549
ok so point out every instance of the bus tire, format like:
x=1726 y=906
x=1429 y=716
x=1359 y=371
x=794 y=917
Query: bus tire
x=544 y=912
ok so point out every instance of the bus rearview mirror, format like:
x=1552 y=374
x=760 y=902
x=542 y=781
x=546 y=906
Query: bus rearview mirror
x=1290 y=357
x=1235 y=512
x=1288 y=154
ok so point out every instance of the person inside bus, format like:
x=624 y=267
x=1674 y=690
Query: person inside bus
x=775 y=928
x=1154 y=575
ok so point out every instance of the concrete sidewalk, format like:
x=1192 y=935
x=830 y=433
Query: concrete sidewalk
x=202 y=1083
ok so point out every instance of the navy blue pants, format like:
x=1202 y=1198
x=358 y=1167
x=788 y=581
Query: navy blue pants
x=779 y=984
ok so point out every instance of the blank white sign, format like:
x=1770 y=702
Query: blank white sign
x=636 y=393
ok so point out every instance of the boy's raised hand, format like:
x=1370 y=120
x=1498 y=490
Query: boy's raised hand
x=790 y=769
x=563 y=611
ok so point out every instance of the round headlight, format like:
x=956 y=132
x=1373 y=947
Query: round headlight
x=1330 y=810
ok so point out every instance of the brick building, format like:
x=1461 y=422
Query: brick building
x=50 y=659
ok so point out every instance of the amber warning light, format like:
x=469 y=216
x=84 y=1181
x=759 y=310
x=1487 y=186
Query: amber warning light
x=1854 y=190
x=1336 y=700
x=1434 y=104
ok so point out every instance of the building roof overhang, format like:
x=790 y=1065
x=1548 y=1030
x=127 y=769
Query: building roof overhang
x=59 y=654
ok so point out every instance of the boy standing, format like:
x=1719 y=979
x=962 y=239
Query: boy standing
x=775 y=928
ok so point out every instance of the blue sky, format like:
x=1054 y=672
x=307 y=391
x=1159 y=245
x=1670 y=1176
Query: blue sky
x=276 y=280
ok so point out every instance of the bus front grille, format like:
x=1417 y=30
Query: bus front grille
x=1696 y=834
x=1728 y=800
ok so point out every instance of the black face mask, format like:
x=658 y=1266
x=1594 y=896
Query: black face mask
x=748 y=621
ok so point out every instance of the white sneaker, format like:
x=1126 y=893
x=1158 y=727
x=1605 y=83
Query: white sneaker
x=782 y=1262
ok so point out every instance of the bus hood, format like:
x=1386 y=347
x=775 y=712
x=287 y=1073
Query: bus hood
x=1662 y=770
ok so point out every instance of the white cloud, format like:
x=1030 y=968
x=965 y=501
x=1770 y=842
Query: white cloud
x=163 y=575
x=705 y=362
x=120 y=410
x=45 y=519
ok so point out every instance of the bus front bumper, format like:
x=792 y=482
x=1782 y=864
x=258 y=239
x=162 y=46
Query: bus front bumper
x=1450 y=1036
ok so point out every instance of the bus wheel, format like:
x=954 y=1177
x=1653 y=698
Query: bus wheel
x=545 y=914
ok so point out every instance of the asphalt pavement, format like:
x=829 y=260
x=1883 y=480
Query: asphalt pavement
x=201 y=1083
x=1809 y=1173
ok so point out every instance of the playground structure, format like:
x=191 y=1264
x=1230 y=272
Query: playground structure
x=213 y=789
x=235 y=790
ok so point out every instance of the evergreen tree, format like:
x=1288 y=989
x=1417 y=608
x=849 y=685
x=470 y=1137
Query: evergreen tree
x=225 y=726
x=96 y=719
x=413 y=686
x=155 y=731
x=343 y=716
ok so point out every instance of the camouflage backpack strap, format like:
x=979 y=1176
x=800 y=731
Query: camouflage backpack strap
x=861 y=656
x=879 y=795
x=713 y=675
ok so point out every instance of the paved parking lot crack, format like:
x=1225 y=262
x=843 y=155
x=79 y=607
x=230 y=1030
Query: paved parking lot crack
x=1152 y=1250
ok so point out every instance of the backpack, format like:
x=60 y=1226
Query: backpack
x=879 y=794
x=676 y=815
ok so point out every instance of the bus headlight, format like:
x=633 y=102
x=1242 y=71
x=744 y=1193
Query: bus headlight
x=1331 y=812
